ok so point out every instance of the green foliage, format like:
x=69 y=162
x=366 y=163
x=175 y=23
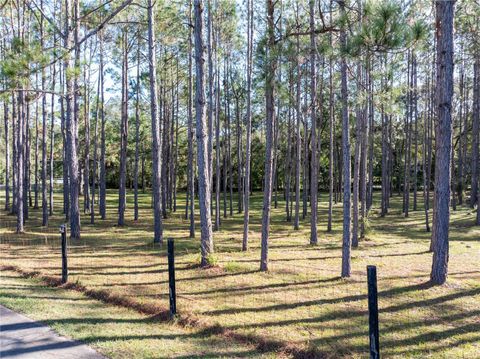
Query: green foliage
x=367 y=225
x=384 y=28
x=19 y=59
x=233 y=267
x=212 y=260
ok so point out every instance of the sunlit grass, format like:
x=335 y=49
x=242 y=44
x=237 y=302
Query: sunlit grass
x=301 y=300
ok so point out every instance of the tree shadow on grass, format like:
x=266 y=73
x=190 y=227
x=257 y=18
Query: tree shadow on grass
x=219 y=275
x=389 y=328
x=351 y=313
x=438 y=348
x=262 y=287
x=399 y=254
x=353 y=298
x=291 y=259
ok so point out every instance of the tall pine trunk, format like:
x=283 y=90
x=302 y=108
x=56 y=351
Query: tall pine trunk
x=460 y=181
x=191 y=134
x=426 y=132
x=95 y=152
x=346 y=242
x=137 y=138
x=71 y=126
x=475 y=132
x=44 y=148
x=66 y=182
x=20 y=161
x=211 y=106
x=86 y=118
x=443 y=143
x=298 y=144
x=271 y=66
x=288 y=160
x=103 y=170
x=14 y=154
x=204 y=189
x=330 y=137
x=356 y=164
x=156 y=142
x=239 y=156
x=123 y=134
x=248 y=146
x=313 y=119
x=52 y=142
x=7 y=156
x=415 y=133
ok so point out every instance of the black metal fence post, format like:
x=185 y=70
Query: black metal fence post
x=373 y=312
x=63 y=233
x=171 y=277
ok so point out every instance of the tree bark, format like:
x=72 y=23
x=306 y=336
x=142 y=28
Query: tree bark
x=156 y=142
x=288 y=160
x=71 y=127
x=86 y=115
x=229 y=139
x=217 y=141
x=103 y=172
x=298 y=152
x=44 y=145
x=35 y=170
x=313 y=119
x=239 y=155
x=384 y=204
x=475 y=132
x=7 y=156
x=95 y=151
x=190 y=170
x=426 y=200
x=14 y=207
x=460 y=181
x=346 y=243
x=164 y=150
x=431 y=114
x=363 y=150
x=27 y=189
x=137 y=137
x=20 y=162
x=123 y=133
x=356 y=167
x=443 y=143
x=371 y=116
x=248 y=146
x=330 y=136
x=415 y=132
x=66 y=182
x=204 y=190
x=52 y=142
x=271 y=66
x=210 y=107
x=175 y=165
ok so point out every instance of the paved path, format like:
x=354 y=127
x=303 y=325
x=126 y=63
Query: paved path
x=22 y=337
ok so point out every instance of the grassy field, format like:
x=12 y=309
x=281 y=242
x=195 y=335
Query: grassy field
x=302 y=303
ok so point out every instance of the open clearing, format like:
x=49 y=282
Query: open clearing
x=301 y=301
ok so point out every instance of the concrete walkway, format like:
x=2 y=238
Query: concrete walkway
x=22 y=337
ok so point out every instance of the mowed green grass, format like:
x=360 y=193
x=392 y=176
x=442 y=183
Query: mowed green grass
x=300 y=301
